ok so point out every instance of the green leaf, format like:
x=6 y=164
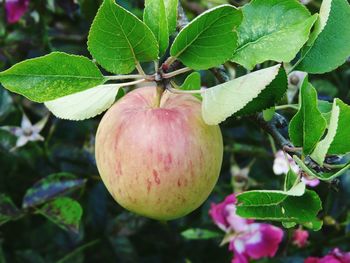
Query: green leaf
x=222 y=101
x=329 y=45
x=118 y=40
x=269 y=113
x=8 y=210
x=325 y=108
x=209 y=40
x=268 y=97
x=281 y=207
x=337 y=139
x=324 y=176
x=51 y=76
x=51 y=187
x=341 y=141
x=272 y=30
x=155 y=18
x=291 y=180
x=199 y=234
x=64 y=212
x=171 y=7
x=192 y=82
x=84 y=105
x=6 y=105
x=308 y=124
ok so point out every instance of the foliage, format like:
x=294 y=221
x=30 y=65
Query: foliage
x=53 y=206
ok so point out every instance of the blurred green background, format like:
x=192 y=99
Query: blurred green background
x=108 y=233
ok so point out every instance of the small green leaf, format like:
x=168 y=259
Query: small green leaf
x=155 y=18
x=51 y=187
x=171 y=7
x=199 y=234
x=51 y=76
x=308 y=124
x=8 y=210
x=341 y=141
x=64 y=212
x=118 y=40
x=291 y=180
x=329 y=45
x=268 y=97
x=281 y=207
x=192 y=82
x=337 y=139
x=272 y=30
x=269 y=113
x=322 y=176
x=84 y=105
x=209 y=40
x=222 y=101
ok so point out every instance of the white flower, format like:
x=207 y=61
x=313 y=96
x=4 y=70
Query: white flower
x=27 y=132
x=283 y=162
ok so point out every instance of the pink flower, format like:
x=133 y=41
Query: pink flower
x=283 y=162
x=15 y=9
x=300 y=238
x=335 y=256
x=248 y=240
x=312 y=182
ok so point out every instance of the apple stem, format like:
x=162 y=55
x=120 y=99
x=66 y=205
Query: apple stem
x=175 y=73
x=160 y=91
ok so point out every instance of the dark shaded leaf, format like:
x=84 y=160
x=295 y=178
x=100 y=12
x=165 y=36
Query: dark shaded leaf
x=51 y=187
x=64 y=212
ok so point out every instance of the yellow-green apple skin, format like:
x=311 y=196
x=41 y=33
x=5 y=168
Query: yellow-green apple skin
x=159 y=161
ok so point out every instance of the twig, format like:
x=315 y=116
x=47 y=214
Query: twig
x=220 y=74
x=77 y=251
x=175 y=73
x=123 y=77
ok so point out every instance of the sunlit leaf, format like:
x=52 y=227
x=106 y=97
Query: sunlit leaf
x=272 y=94
x=51 y=76
x=328 y=47
x=85 y=104
x=272 y=30
x=222 y=101
x=118 y=39
x=156 y=19
x=209 y=40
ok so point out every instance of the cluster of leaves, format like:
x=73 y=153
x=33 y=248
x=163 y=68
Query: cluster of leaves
x=74 y=87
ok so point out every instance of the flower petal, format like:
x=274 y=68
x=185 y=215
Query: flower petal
x=15 y=9
x=219 y=213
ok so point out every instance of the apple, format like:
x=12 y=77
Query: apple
x=159 y=160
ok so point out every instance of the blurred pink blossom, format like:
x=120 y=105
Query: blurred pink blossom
x=312 y=182
x=282 y=163
x=335 y=256
x=15 y=9
x=300 y=237
x=248 y=240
